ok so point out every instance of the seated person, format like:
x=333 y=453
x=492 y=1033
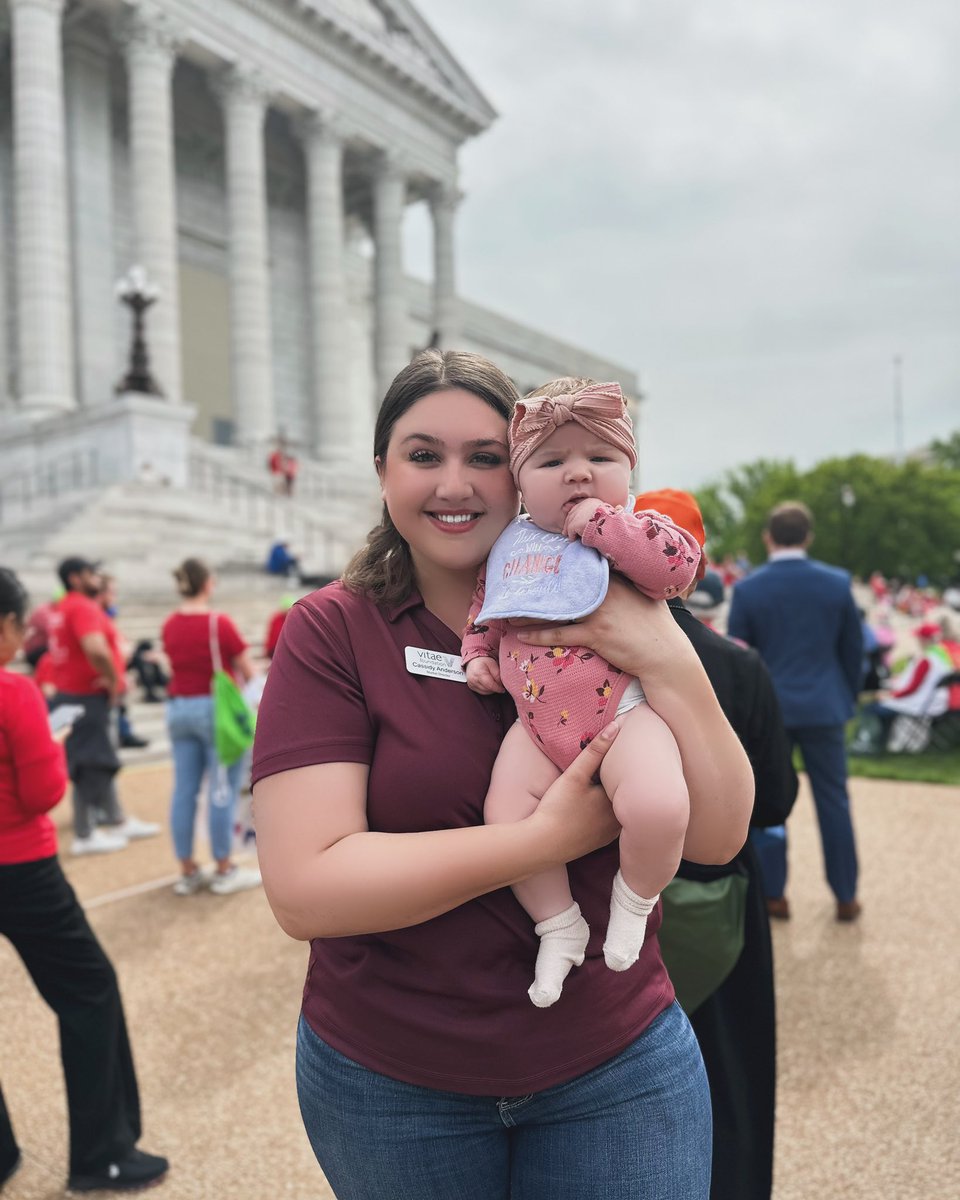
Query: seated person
x=281 y=560
x=915 y=692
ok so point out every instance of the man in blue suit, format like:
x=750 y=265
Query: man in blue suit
x=801 y=617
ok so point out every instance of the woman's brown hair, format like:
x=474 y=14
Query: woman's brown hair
x=191 y=577
x=383 y=570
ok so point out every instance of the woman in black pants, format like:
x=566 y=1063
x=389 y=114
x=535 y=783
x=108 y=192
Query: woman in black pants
x=41 y=916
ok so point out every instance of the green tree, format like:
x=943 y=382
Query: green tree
x=735 y=507
x=903 y=520
x=870 y=514
x=946 y=453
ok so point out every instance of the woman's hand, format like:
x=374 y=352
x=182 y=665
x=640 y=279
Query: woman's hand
x=327 y=875
x=634 y=633
x=575 y=812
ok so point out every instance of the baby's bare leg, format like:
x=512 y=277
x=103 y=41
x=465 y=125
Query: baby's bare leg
x=521 y=775
x=643 y=777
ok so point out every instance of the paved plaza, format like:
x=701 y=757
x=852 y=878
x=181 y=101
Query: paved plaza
x=869 y=1105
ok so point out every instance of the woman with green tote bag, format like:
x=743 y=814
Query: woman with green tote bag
x=209 y=732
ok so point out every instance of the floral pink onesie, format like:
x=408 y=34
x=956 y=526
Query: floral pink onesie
x=566 y=694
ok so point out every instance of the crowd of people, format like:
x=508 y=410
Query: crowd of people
x=61 y=728
x=601 y=810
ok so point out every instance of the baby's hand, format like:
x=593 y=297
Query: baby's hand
x=578 y=518
x=483 y=676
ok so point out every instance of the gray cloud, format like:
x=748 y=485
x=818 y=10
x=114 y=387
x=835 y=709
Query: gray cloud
x=753 y=204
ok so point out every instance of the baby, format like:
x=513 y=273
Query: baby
x=571 y=453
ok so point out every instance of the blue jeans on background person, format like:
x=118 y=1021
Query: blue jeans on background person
x=638 y=1127
x=190 y=724
x=771 y=847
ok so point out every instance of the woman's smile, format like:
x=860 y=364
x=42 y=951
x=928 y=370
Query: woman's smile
x=461 y=521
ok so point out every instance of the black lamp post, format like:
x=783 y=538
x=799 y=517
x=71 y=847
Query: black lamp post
x=138 y=294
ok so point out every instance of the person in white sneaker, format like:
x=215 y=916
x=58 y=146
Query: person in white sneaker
x=87 y=669
x=188 y=634
x=45 y=924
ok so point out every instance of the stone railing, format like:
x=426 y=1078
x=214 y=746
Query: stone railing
x=312 y=535
x=316 y=482
x=34 y=488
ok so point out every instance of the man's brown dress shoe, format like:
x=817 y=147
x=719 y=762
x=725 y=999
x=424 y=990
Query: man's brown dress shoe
x=848 y=910
x=778 y=908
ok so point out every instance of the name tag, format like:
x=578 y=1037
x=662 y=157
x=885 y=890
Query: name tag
x=434 y=663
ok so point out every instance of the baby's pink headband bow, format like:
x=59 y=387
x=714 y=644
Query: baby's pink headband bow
x=599 y=408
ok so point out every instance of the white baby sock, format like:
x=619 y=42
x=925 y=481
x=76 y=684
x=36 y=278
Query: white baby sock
x=628 y=921
x=563 y=943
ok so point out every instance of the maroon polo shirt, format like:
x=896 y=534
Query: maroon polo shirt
x=442 y=1004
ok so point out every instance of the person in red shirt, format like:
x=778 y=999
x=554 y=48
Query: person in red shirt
x=275 y=624
x=43 y=920
x=915 y=692
x=192 y=636
x=290 y=468
x=276 y=466
x=88 y=669
x=43 y=676
x=37 y=635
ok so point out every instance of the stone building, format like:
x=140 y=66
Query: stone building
x=257 y=158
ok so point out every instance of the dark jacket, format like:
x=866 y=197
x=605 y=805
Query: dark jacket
x=736 y=1025
x=801 y=616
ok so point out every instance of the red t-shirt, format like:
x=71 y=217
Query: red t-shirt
x=43 y=672
x=273 y=632
x=442 y=1004
x=33 y=772
x=186 y=642
x=37 y=634
x=73 y=618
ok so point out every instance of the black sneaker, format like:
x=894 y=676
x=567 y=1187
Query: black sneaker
x=132 y=742
x=137 y=1170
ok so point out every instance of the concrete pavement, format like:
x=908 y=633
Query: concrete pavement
x=869 y=1058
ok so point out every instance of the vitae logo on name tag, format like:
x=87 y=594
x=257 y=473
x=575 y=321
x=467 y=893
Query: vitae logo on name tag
x=434 y=663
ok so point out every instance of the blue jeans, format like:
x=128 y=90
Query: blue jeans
x=771 y=847
x=190 y=724
x=635 y=1128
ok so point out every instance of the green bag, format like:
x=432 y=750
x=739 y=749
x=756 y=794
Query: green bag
x=233 y=718
x=701 y=937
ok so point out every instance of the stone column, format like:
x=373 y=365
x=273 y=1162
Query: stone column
x=42 y=238
x=323 y=141
x=87 y=88
x=150 y=45
x=391 y=348
x=244 y=98
x=443 y=205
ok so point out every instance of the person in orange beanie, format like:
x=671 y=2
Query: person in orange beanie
x=735 y=1023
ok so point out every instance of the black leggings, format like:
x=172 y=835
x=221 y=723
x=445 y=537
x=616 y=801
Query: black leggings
x=41 y=916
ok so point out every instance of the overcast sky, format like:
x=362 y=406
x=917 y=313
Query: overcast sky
x=753 y=204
